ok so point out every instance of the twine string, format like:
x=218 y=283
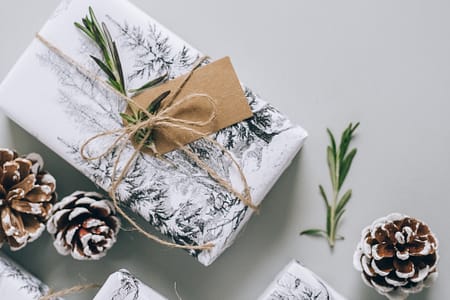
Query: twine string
x=160 y=119
x=69 y=291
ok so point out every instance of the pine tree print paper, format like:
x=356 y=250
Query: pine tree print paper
x=182 y=202
x=122 y=285
x=295 y=282
x=18 y=284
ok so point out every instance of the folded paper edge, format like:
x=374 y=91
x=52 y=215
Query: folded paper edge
x=294 y=263
x=302 y=136
x=104 y=293
x=25 y=272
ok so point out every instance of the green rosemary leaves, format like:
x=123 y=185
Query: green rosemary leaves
x=339 y=162
x=111 y=65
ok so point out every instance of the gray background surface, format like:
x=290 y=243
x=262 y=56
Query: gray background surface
x=323 y=63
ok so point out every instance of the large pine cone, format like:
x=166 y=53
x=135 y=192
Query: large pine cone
x=397 y=256
x=26 y=197
x=84 y=224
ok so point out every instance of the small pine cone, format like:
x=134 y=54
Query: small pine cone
x=84 y=224
x=397 y=256
x=26 y=197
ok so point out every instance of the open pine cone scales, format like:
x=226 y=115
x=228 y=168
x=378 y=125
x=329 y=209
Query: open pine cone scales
x=84 y=224
x=26 y=197
x=397 y=256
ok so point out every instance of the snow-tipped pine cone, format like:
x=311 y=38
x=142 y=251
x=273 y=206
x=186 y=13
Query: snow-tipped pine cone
x=84 y=224
x=26 y=196
x=397 y=256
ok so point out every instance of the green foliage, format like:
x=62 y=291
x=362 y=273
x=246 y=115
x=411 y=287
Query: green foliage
x=339 y=161
x=111 y=65
x=139 y=116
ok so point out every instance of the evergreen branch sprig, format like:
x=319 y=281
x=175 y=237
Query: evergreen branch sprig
x=111 y=65
x=339 y=161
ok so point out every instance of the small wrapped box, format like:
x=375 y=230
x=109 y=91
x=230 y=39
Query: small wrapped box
x=295 y=282
x=122 y=285
x=18 y=284
x=63 y=108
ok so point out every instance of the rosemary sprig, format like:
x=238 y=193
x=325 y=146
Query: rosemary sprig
x=111 y=65
x=339 y=162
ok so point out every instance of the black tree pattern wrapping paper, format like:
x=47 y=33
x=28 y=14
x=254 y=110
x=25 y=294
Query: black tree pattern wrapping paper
x=295 y=282
x=122 y=285
x=16 y=283
x=182 y=202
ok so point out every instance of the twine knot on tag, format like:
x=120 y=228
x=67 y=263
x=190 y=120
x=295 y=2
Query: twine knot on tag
x=161 y=118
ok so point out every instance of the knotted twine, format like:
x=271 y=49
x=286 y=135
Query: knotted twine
x=159 y=119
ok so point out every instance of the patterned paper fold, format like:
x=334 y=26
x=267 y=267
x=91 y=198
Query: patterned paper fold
x=122 y=285
x=295 y=282
x=63 y=108
x=18 y=284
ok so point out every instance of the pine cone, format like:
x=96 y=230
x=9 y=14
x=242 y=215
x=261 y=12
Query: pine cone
x=84 y=224
x=397 y=256
x=26 y=197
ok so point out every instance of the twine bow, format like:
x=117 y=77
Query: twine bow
x=159 y=119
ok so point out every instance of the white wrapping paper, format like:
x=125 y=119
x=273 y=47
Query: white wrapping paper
x=63 y=108
x=295 y=282
x=18 y=284
x=122 y=285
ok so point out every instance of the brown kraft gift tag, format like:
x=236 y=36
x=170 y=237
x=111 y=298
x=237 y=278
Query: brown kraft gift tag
x=219 y=81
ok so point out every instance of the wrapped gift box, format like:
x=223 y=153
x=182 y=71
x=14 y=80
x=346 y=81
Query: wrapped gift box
x=295 y=282
x=18 y=284
x=122 y=285
x=52 y=100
